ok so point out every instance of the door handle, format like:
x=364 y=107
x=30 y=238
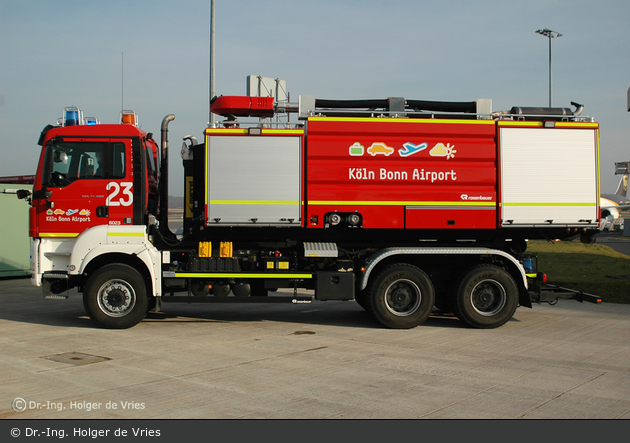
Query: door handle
x=102 y=211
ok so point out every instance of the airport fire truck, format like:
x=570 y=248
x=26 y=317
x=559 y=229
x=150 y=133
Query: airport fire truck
x=404 y=206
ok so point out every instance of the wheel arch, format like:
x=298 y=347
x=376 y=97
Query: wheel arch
x=105 y=244
x=423 y=258
x=128 y=259
x=516 y=270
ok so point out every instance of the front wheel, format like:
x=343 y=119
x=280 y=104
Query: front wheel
x=401 y=297
x=115 y=297
x=486 y=298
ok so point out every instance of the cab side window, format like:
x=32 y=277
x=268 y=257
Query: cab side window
x=118 y=160
x=150 y=162
x=67 y=162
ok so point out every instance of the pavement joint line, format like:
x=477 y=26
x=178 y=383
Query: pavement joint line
x=186 y=377
x=530 y=410
x=623 y=414
x=473 y=395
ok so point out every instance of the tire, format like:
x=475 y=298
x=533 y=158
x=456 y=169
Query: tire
x=115 y=297
x=486 y=297
x=401 y=296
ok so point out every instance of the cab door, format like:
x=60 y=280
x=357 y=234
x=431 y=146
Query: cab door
x=119 y=202
x=75 y=176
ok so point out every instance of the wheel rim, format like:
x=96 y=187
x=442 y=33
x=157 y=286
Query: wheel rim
x=116 y=298
x=488 y=297
x=403 y=297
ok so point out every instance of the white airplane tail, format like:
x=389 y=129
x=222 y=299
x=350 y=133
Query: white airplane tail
x=622 y=189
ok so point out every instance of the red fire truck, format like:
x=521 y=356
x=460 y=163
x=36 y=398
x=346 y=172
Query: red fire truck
x=401 y=205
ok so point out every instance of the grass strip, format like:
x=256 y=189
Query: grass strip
x=592 y=268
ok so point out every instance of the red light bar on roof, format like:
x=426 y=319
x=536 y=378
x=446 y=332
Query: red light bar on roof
x=242 y=106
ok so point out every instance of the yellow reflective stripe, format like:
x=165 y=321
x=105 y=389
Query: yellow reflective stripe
x=536 y=124
x=399 y=120
x=539 y=124
x=58 y=234
x=245 y=131
x=254 y=202
x=206 y=174
x=549 y=204
x=238 y=275
x=283 y=131
x=599 y=184
x=576 y=125
x=398 y=203
x=226 y=131
x=125 y=234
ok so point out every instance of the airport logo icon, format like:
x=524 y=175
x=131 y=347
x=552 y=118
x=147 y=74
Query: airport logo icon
x=408 y=149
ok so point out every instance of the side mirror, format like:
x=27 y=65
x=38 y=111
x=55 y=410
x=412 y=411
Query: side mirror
x=23 y=193
x=42 y=193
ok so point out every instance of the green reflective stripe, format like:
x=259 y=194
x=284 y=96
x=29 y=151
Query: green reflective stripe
x=58 y=234
x=125 y=234
x=237 y=275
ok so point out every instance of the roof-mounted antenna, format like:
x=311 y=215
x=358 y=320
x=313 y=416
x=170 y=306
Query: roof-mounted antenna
x=122 y=82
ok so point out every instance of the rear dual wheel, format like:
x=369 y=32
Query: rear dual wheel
x=487 y=297
x=401 y=296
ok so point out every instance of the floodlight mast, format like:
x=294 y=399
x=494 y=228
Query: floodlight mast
x=549 y=34
x=211 y=86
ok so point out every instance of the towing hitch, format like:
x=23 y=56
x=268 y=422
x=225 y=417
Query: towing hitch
x=551 y=293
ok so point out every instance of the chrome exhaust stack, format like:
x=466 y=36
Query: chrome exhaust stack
x=164 y=177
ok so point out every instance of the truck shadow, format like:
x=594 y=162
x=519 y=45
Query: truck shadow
x=339 y=314
x=70 y=314
x=24 y=304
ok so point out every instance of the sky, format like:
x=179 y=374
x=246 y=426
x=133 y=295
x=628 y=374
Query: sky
x=152 y=56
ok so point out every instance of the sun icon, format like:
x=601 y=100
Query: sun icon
x=450 y=151
x=441 y=150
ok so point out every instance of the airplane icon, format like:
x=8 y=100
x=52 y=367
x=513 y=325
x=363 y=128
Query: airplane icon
x=410 y=149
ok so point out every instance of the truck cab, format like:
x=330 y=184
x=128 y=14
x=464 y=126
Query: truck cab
x=95 y=184
x=92 y=175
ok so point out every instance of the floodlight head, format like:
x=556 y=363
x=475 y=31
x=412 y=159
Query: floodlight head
x=548 y=33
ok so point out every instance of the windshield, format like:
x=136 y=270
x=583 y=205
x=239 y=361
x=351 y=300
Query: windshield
x=66 y=162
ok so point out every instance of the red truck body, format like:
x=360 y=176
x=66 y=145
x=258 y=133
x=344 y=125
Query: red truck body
x=402 y=209
x=365 y=167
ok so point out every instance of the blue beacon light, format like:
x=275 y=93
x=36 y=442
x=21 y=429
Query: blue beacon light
x=72 y=116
